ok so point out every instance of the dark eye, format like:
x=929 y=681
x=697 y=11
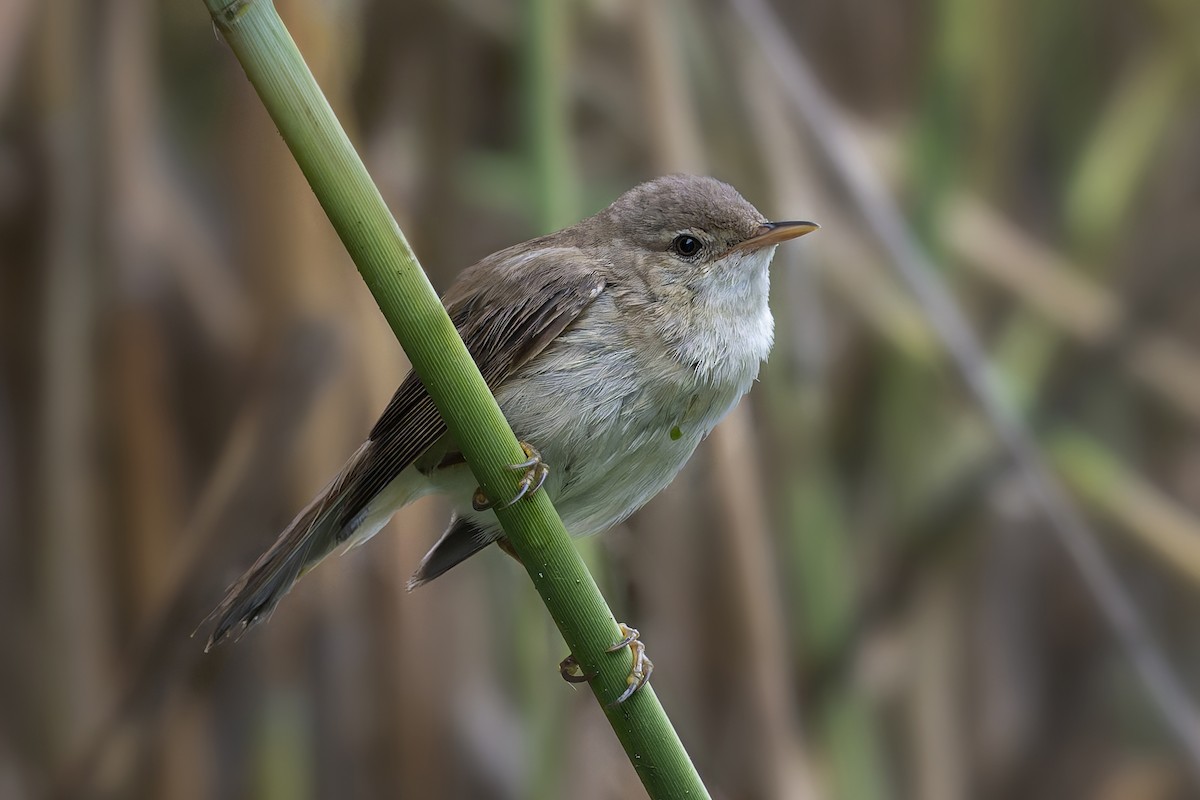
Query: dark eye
x=686 y=246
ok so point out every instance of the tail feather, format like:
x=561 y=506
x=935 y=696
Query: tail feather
x=462 y=539
x=323 y=525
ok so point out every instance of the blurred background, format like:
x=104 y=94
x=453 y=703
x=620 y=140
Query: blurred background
x=849 y=593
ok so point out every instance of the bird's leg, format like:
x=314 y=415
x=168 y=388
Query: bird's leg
x=639 y=670
x=504 y=544
x=535 y=473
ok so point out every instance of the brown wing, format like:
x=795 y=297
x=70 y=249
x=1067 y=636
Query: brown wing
x=504 y=321
x=505 y=318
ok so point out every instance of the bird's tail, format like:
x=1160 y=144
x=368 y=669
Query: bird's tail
x=324 y=525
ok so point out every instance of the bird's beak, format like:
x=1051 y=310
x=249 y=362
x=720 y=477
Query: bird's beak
x=772 y=233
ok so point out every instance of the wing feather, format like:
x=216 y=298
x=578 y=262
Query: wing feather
x=506 y=317
x=504 y=321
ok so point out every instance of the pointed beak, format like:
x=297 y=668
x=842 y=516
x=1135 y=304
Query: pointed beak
x=772 y=233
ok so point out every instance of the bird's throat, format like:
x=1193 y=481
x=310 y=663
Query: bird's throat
x=731 y=330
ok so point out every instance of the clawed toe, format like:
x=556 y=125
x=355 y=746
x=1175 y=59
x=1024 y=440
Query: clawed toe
x=640 y=668
x=571 y=671
x=536 y=471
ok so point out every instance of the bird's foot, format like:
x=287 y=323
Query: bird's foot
x=535 y=473
x=639 y=670
x=641 y=667
x=571 y=671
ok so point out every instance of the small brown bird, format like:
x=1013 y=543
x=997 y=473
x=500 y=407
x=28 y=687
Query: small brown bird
x=613 y=347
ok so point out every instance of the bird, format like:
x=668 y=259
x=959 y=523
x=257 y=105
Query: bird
x=613 y=347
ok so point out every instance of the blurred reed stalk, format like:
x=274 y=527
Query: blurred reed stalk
x=817 y=548
x=761 y=697
x=76 y=630
x=342 y=186
x=547 y=110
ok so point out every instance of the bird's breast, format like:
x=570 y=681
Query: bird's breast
x=616 y=406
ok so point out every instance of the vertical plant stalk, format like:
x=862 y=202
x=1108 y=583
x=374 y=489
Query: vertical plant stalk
x=816 y=543
x=69 y=560
x=546 y=62
x=345 y=191
x=556 y=195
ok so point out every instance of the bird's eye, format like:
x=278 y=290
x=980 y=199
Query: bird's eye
x=686 y=246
